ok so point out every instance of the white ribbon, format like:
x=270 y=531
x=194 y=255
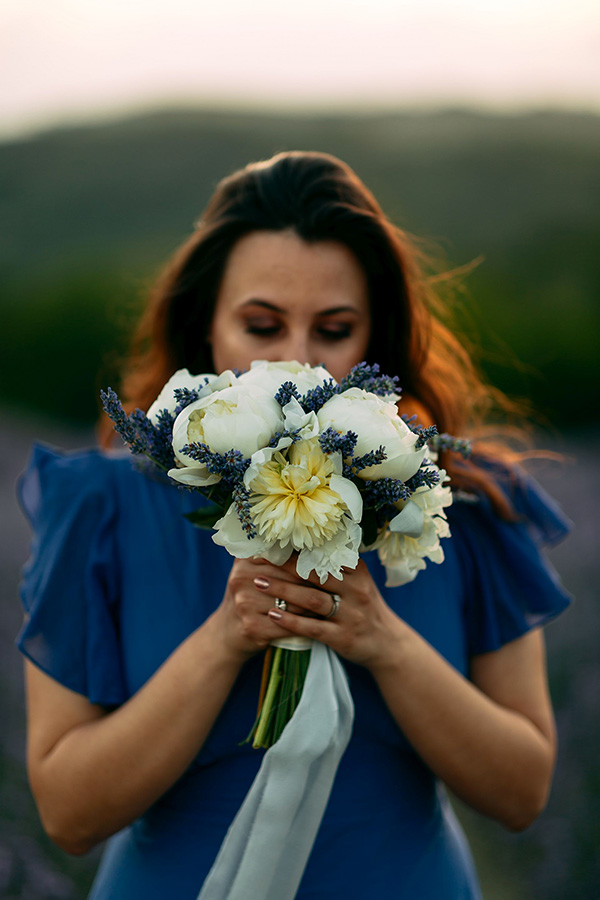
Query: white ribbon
x=268 y=844
x=293 y=642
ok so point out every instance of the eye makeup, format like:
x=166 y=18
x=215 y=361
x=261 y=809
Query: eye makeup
x=260 y=330
x=335 y=332
x=327 y=332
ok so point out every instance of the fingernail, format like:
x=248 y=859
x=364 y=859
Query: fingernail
x=262 y=583
x=274 y=613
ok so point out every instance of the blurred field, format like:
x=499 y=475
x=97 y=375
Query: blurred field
x=87 y=216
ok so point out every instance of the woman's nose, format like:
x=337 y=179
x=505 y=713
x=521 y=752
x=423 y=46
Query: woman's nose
x=297 y=347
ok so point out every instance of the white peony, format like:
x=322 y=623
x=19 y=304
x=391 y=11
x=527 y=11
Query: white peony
x=377 y=423
x=414 y=534
x=271 y=375
x=230 y=534
x=239 y=417
x=182 y=378
x=305 y=423
x=299 y=502
x=433 y=501
x=329 y=559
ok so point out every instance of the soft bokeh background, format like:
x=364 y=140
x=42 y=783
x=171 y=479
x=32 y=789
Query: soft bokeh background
x=476 y=124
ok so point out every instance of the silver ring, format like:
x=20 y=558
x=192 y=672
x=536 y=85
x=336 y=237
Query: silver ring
x=280 y=604
x=335 y=601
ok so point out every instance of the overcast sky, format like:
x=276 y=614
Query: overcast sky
x=63 y=59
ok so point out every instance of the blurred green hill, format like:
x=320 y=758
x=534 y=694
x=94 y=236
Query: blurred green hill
x=88 y=215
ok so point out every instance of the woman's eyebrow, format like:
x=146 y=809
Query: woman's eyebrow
x=254 y=301
x=266 y=304
x=339 y=309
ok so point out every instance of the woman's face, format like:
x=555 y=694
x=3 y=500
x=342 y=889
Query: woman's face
x=282 y=298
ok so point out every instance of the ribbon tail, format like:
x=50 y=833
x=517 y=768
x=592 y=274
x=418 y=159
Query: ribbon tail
x=266 y=849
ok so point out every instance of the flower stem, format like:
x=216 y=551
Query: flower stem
x=266 y=669
x=263 y=722
x=284 y=673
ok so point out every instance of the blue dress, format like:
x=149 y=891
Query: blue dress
x=118 y=578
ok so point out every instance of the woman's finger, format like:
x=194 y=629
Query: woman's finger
x=307 y=626
x=309 y=598
x=333 y=584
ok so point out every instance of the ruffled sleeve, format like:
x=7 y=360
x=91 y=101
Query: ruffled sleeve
x=511 y=586
x=70 y=582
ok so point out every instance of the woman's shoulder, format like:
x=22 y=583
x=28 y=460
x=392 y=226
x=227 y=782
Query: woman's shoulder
x=533 y=509
x=69 y=587
x=56 y=477
x=511 y=585
x=77 y=463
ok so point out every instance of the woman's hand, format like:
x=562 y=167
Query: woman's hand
x=363 y=629
x=242 y=622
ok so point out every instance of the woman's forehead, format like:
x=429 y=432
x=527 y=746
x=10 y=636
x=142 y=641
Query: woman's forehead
x=280 y=268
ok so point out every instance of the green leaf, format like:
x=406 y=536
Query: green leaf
x=369 y=526
x=206 y=516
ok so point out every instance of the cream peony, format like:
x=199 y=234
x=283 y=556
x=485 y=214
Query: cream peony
x=271 y=375
x=301 y=500
x=183 y=378
x=414 y=534
x=433 y=501
x=377 y=423
x=298 y=503
x=240 y=417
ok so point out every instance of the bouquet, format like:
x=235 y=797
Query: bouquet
x=290 y=461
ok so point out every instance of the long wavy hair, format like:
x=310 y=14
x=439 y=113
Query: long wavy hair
x=321 y=198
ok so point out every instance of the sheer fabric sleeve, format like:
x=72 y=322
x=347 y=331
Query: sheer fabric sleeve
x=511 y=585
x=69 y=588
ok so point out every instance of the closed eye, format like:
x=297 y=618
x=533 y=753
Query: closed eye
x=335 y=333
x=262 y=330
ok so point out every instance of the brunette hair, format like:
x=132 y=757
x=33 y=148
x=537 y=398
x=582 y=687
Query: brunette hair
x=321 y=198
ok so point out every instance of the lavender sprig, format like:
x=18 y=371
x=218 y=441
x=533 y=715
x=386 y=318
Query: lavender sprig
x=424 y=477
x=361 y=376
x=285 y=393
x=186 y=395
x=123 y=426
x=437 y=441
x=139 y=433
x=231 y=466
x=158 y=437
x=163 y=439
x=385 y=492
x=332 y=441
x=313 y=400
x=293 y=433
x=449 y=442
x=241 y=500
x=368 y=378
x=425 y=435
x=358 y=463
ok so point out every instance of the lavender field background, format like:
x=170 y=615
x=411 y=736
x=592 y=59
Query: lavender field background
x=88 y=215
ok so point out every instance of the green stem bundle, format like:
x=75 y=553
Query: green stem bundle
x=284 y=674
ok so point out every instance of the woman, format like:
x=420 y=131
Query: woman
x=144 y=639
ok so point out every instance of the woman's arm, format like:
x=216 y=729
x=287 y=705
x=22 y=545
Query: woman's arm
x=491 y=740
x=93 y=772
